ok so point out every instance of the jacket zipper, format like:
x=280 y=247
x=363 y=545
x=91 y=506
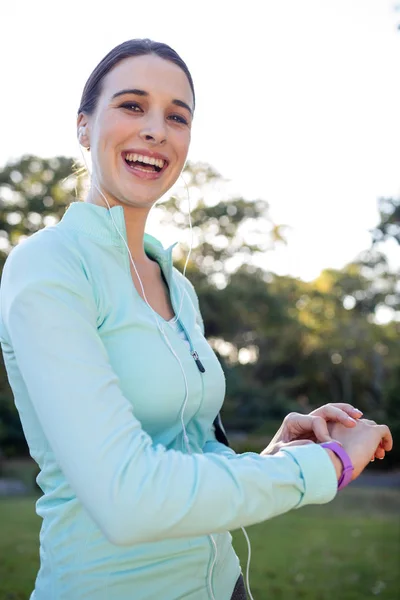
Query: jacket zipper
x=198 y=361
x=193 y=352
x=201 y=368
x=168 y=277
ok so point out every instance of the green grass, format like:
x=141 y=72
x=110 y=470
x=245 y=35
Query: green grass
x=346 y=550
x=19 y=547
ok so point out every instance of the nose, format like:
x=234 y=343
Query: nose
x=154 y=130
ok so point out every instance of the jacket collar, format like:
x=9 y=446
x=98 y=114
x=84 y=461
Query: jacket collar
x=96 y=222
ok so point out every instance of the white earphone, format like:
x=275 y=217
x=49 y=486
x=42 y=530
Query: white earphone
x=81 y=134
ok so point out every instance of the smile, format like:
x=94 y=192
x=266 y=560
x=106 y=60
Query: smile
x=145 y=165
x=140 y=159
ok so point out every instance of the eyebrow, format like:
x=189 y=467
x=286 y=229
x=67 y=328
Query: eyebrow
x=143 y=93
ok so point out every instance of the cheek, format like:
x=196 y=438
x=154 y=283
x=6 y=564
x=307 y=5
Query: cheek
x=110 y=126
x=183 y=146
x=103 y=151
x=112 y=140
x=113 y=131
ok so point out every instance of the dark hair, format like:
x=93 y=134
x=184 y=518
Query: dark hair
x=138 y=47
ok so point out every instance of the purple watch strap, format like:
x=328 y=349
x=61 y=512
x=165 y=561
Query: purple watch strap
x=346 y=461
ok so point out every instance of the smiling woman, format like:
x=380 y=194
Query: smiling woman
x=126 y=118
x=119 y=391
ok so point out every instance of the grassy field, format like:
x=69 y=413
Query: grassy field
x=347 y=550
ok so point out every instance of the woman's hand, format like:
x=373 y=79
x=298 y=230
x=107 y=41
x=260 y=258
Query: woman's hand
x=313 y=427
x=361 y=442
x=274 y=448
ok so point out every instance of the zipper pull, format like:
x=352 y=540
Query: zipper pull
x=198 y=361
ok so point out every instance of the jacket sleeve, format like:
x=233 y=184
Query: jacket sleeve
x=135 y=491
x=213 y=445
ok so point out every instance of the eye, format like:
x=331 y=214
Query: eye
x=133 y=106
x=179 y=119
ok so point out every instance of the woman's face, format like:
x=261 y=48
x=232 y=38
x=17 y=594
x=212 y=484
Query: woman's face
x=139 y=133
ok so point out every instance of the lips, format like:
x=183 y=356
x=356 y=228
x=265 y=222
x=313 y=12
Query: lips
x=145 y=156
x=146 y=152
x=144 y=164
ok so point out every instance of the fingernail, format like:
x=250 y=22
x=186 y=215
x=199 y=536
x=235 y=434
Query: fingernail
x=352 y=420
x=359 y=411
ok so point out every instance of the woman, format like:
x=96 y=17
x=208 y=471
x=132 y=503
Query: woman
x=117 y=387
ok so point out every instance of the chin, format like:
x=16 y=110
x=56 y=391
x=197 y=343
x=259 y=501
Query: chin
x=142 y=195
x=139 y=200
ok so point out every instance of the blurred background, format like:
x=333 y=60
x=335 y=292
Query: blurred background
x=294 y=186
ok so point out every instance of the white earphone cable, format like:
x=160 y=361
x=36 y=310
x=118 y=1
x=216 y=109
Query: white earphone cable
x=159 y=325
x=161 y=329
x=248 y=562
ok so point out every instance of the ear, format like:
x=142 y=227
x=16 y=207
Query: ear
x=83 y=131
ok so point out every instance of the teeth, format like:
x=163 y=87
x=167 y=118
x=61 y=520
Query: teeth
x=158 y=162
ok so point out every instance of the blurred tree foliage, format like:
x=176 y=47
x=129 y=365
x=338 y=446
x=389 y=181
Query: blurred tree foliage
x=389 y=225
x=285 y=344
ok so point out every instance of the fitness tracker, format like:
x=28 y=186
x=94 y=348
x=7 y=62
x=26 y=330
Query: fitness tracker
x=346 y=461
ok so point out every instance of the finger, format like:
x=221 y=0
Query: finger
x=320 y=429
x=387 y=440
x=380 y=453
x=347 y=408
x=297 y=426
x=333 y=413
x=356 y=413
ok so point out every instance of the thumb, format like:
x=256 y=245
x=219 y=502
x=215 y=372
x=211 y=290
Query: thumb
x=320 y=429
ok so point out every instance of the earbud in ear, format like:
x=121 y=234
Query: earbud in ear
x=83 y=139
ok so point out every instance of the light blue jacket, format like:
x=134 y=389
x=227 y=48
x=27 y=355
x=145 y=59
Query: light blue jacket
x=127 y=510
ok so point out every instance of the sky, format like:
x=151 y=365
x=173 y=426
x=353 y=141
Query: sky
x=297 y=102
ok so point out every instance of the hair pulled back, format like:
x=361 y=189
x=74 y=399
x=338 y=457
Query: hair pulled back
x=136 y=47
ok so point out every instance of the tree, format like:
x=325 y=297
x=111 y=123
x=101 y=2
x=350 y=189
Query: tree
x=389 y=225
x=284 y=343
x=227 y=233
x=34 y=192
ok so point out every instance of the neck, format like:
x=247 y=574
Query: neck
x=135 y=223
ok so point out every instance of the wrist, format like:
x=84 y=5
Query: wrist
x=337 y=463
x=347 y=465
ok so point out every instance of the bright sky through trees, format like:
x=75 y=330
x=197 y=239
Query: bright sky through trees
x=297 y=101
